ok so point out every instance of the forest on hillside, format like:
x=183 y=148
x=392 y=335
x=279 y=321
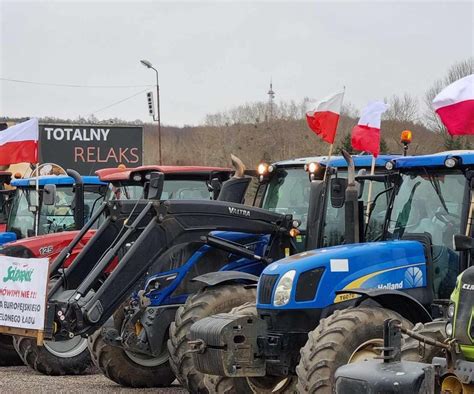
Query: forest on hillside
x=271 y=131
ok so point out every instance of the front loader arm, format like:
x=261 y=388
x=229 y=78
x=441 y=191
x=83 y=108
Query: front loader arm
x=175 y=224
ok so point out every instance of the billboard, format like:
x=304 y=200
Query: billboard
x=86 y=148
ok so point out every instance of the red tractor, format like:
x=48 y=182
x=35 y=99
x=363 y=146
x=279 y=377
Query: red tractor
x=181 y=182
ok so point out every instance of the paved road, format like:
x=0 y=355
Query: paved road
x=25 y=380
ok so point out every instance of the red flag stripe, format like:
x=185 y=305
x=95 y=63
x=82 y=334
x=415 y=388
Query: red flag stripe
x=19 y=152
x=323 y=124
x=366 y=139
x=458 y=118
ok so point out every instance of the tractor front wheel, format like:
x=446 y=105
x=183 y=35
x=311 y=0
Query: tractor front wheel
x=8 y=355
x=414 y=350
x=55 y=358
x=130 y=369
x=206 y=302
x=347 y=336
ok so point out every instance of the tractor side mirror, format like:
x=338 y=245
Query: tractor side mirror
x=338 y=192
x=462 y=243
x=215 y=187
x=155 y=188
x=49 y=194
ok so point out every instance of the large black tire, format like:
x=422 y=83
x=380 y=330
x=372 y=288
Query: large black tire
x=126 y=368
x=8 y=355
x=55 y=358
x=339 y=339
x=206 y=302
x=271 y=384
x=414 y=350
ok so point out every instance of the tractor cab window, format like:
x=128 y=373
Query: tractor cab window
x=288 y=193
x=433 y=203
x=52 y=219
x=173 y=189
x=180 y=189
x=124 y=191
x=334 y=227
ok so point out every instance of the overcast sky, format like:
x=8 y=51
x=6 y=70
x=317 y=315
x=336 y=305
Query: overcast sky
x=212 y=56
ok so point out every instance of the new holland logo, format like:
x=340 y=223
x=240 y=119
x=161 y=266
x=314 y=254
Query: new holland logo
x=413 y=277
x=238 y=211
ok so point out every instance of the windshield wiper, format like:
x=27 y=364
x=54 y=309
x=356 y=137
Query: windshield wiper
x=435 y=183
x=404 y=214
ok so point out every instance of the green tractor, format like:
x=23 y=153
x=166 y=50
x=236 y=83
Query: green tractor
x=436 y=357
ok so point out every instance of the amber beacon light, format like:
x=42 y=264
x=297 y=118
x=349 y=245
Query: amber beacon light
x=405 y=139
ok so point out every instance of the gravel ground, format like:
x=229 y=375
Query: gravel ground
x=25 y=380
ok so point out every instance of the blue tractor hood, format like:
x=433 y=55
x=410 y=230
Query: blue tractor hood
x=395 y=265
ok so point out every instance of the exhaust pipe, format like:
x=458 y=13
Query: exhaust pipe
x=78 y=198
x=352 y=220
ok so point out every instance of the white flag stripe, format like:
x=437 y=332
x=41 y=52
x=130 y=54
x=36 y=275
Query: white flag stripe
x=372 y=114
x=25 y=131
x=332 y=103
x=460 y=90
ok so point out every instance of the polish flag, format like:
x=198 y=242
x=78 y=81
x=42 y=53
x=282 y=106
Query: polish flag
x=455 y=106
x=366 y=135
x=19 y=143
x=324 y=118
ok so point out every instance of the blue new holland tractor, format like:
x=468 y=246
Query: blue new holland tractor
x=320 y=309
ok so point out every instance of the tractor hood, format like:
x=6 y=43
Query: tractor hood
x=319 y=274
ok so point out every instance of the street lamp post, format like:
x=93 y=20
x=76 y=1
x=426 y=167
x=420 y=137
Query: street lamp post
x=147 y=64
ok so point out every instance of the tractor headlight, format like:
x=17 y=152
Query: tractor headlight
x=449 y=329
x=451 y=162
x=390 y=165
x=451 y=310
x=283 y=289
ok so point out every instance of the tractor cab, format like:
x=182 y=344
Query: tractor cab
x=431 y=204
x=64 y=203
x=180 y=182
x=287 y=187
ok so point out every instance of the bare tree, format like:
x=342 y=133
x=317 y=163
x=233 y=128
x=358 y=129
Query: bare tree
x=402 y=108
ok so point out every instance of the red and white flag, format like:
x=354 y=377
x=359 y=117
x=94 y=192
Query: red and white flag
x=19 y=143
x=455 y=106
x=366 y=135
x=324 y=118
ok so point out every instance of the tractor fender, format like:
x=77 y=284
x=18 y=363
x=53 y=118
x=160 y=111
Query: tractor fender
x=216 y=278
x=395 y=300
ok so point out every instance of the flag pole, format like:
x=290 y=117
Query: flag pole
x=37 y=213
x=331 y=147
x=369 y=195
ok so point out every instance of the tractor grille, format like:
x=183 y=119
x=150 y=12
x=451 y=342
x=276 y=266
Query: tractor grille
x=307 y=285
x=265 y=288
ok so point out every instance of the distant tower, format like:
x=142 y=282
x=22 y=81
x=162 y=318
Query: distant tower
x=271 y=97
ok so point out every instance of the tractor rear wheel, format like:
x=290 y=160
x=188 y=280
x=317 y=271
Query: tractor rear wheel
x=206 y=302
x=55 y=358
x=8 y=355
x=415 y=350
x=128 y=368
x=349 y=335
x=261 y=385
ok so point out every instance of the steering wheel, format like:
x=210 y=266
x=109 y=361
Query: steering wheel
x=444 y=217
